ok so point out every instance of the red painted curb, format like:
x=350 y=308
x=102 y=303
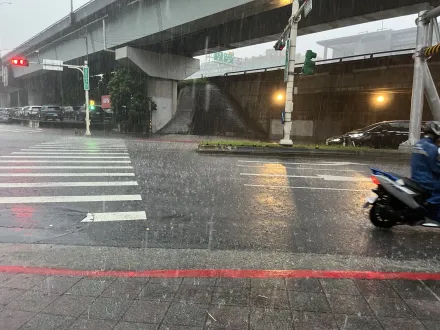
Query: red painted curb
x=228 y=273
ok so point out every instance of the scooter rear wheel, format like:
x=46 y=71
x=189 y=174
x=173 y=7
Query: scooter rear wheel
x=377 y=220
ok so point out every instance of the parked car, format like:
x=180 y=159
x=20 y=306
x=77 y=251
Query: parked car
x=70 y=112
x=5 y=117
x=386 y=134
x=31 y=111
x=96 y=115
x=50 y=112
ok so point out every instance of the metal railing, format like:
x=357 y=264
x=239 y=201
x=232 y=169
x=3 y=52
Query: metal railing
x=328 y=61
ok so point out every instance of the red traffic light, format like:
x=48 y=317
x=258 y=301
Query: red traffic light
x=19 y=62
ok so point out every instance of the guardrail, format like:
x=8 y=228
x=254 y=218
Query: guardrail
x=329 y=61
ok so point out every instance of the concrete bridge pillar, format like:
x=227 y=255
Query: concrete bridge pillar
x=164 y=72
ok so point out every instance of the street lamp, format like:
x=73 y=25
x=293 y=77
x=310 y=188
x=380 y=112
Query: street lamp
x=380 y=99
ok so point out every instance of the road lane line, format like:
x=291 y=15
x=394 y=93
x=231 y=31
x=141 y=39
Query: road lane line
x=63 y=174
x=75 y=149
x=282 y=175
x=44 y=153
x=223 y=273
x=67 y=184
x=80 y=157
x=68 y=199
x=309 y=164
x=64 y=167
x=115 y=216
x=309 y=188
x=66 y=161
x=300 y=168
x=319 y=176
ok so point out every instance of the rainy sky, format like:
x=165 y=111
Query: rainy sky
x=22 y=19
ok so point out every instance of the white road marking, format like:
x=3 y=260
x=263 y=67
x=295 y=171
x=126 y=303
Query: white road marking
x=68 y=184
x=68 y=153
x=115 y=216
x=73 y=157
x=309 y=188
x=64 y=167
x=68 y=199
x=324 y=177
x=301 y=168
x=63 y=174
x=309 y=164
x=67 y=161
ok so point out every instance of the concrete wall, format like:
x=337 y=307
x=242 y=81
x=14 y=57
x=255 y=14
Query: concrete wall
x=164 y=93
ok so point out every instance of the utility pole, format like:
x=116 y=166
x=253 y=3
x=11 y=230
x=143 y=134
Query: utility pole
x=291 y=33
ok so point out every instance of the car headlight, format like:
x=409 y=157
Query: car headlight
x=335 y=140
x=356 y=135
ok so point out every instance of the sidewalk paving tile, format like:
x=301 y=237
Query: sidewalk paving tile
x=272 y=283
x=269 y=298
x=124 y=288
x=48 y=322
x=310 y=302
x=194 y=293
x=265 y=319
x=200 y=281
x=425 y=309
x=232 y=282
x=412 y=290
x=236 y=296
x=346 y=304
x=9 y=294
x=178 y=327
x=186 y=314
x=158 y=292
x=431 y=325
x=69 y=305
x=90 y=287
x=146 y=311
x=391 y=323
x=339 y=286
x=134 y=326
x=91 y=324
x=23 y=281
x=166 y=281
x=376 y=288
x=107 y=308
x=304 y=285
x=313 y=320
x=5 y=276
x=228 y=317
x=57 y=284
x=434 y=286
x=11 y=320
x=32 y=301
x=392 y=307
x=355 y=322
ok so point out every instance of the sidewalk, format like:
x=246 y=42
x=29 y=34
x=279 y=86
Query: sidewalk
x=29 y=301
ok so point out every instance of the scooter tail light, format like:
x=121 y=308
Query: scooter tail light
x=375 y=180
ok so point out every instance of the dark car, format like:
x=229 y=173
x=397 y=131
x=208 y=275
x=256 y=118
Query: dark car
x=97 y=114
x=386 y=134
x=5 y=117
x=50 y=112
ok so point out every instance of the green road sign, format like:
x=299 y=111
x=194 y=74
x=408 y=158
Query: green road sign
x=228 y=58
x=218 y=57
x=86 y=79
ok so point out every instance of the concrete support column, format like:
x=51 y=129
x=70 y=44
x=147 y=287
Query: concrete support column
x=164 y=93
x=35 y=97
x=325 y=53
x=5 y=100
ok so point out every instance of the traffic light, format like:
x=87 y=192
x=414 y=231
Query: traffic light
x=92 y=105
x=309 y=65
x=19 y=61
x=279 y=45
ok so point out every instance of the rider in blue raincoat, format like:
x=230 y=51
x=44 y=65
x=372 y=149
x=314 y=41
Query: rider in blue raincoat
x=425 y=164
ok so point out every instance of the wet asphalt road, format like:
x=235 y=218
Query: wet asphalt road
x=192 y=201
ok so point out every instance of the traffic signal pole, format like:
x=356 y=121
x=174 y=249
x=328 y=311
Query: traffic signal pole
x=286 y=140
x=87 y=104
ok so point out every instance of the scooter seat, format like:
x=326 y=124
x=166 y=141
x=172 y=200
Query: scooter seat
x=414 y=185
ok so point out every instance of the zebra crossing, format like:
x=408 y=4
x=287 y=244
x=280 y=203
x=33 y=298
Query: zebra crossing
x=24 y=130
x=96 y=173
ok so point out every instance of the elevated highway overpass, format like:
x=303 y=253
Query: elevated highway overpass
x=166 y=34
